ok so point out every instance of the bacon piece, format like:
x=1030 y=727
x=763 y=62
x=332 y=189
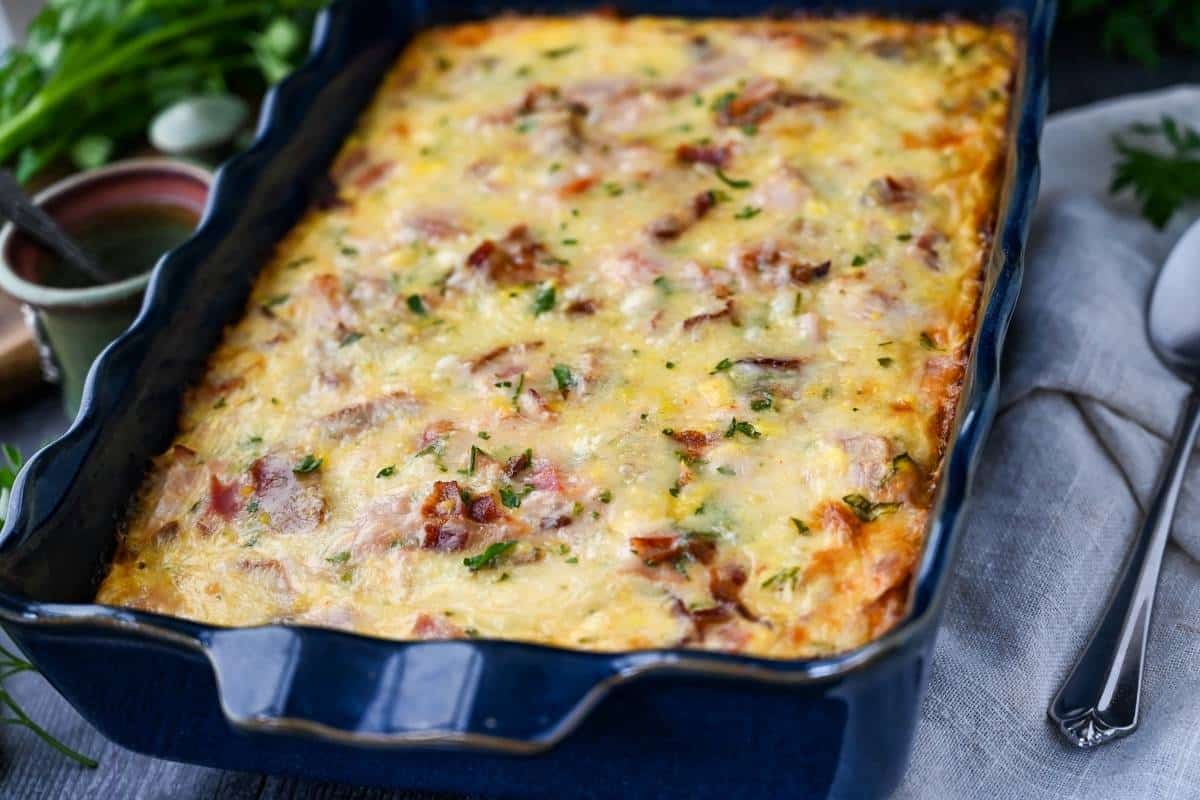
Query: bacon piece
x=577 y=186
x=771 y=362
x=778 y=267
x=726 y=312
x=802 y=272
x=892 y=192
x=436 y=225
x=223 y=498
x=497 y=353
x=761 y=96
x=353 y=420
x=358 y=170
x=269 y=571
x=518 y=464
x=517 y=258
x=483 y=508
x=445 y=526
x=695 y=443
x=672 y=226
x=714 y=155
x=430 y=626
x=656 y=550
x=725 y=583
x=180 y=480
x=927 y=245
x=581 y=307
x=292 y=504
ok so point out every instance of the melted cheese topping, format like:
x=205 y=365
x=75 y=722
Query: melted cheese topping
x=608 y=334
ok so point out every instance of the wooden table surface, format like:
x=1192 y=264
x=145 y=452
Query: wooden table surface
x=28 y=769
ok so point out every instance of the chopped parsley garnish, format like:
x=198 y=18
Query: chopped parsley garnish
x=785 y=577
x=309 y=463
x=563 y=378
x=743 y=427
x=525 y=127
x=927 y=342
x=254 y=440
x=510 y=498
x=606 y=496
x=858 y=261
x=747 y=212
x=339 y=558
x=296 y=263
x=572 y=560
x=543 y=299
x=663 y=284
x=570 y=242
x=278 y=299
x=722 y=101
x=559 y=52
x=386 y=472
x=726 y=470
x=219 y=404
x=516 y=395
x=903 y=237
x=733 y=183
x=762 y=402
x=490 y=557
x=670 y=365
x=750 y=130
x=475 y=453
x=721 y=366
x=801 y=528
x=867 y=511
x=416 y=305
x=885 y=361
x=484 y=435
x=350 y=338
x=613 y=189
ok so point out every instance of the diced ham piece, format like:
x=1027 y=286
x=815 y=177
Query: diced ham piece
x=725 y=312
x=293 y=504
x=694 y=443
x=672 y=226
x=353 y=420
x=870 y=459
x=892 y=192
x=431 y=626
x=771 y=264
x=711 y=154
x=224 y=499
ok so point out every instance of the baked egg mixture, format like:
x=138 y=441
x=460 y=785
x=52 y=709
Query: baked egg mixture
x=604 y=333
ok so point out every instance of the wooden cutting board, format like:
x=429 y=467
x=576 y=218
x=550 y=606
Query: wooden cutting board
x=19 y=370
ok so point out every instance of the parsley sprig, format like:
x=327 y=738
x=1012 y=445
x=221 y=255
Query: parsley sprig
x=1161 y=181
x=10 y=465
x=11 y=712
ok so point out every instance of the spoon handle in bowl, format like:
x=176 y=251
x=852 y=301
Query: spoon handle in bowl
x=1099 y=700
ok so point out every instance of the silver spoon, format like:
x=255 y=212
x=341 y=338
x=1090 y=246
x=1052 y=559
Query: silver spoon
x=28 y=217
x=1100 y=698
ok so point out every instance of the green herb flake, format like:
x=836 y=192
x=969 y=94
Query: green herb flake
x=867 y=511
x=543 y=299
x=309 y=463
x=613 y=189
x=733 y=183
x=762 y=402
x=726 y=470
x=788 y=577
x=721 y=366
x=663 y=284
x=903 y=237
x=416 y=305
x=743 y=427
x=276 y=300
x=885 y=361
x=927 y=342
x=1161 y=182
x=386 y=472
x=559 y=52
x=490 y=557
x=563 y=378
x=747 y=212
x=349 y=339
x=339 y=558
x=801 y=528
x=606 y=496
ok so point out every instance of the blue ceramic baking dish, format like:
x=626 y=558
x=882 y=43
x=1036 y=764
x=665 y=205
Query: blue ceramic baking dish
x=487 y=717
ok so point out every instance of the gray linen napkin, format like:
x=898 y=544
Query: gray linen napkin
x=1085 y=408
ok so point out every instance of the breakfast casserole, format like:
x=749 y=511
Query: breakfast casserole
x=602 y=333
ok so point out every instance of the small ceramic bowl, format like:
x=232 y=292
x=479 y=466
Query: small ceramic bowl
x=74 y=324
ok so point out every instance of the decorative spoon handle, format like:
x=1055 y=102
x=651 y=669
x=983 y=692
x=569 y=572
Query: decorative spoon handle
x=1099 y=700
x=25 y=215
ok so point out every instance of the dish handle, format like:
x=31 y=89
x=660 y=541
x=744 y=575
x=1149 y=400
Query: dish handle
x=493 y=695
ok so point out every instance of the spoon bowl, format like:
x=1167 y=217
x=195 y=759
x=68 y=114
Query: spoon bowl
x=1174 y=316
